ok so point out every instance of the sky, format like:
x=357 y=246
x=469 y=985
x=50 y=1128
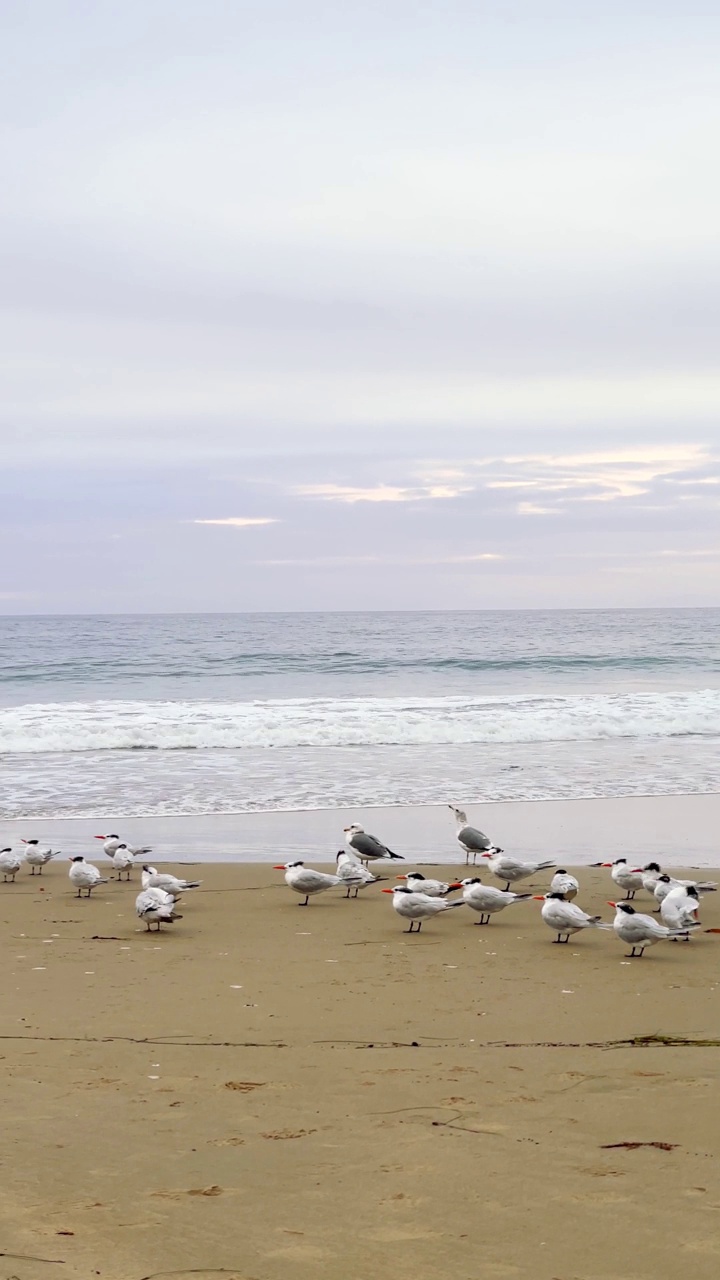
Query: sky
x=367 y=306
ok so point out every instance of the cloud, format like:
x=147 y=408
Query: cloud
x=240 y=522
x=379 y=492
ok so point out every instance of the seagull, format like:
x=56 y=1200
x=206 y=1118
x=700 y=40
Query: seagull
x=156 y=906
x=10 y=864
x=84 y=875
x=679 y=908
x=123 y=860
x=665 y=885
x=472 y=840
x=353 y=874
x=625 y=879
x=565 y=918
x=303 y=879
x=154 y=879
x=417 y=907
x=640 y=931
x=431 y=888
x=36 y=855
x=562 y=882
x=113 y=842
x=512 y=869
x=488 y=900
x=368 y=848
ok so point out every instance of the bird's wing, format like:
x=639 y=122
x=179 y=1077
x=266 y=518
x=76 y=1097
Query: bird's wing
x=368 y=845
x=473 y=839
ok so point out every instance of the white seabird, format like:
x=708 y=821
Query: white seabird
x=472 y=840
x=367 y=847
x=10 y=864
x=84 y=875
x=566 y=918
x=305 y=881
x=155 y=906
x=488 y=900
x=37 y=856
x=417 y=907
x=154 y=879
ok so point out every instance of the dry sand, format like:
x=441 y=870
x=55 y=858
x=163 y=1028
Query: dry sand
x=266 y=1092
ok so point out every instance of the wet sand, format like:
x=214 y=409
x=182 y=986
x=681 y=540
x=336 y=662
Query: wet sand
x=266 y=1092
x=679 y=829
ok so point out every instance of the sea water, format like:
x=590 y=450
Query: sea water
x=219 y=713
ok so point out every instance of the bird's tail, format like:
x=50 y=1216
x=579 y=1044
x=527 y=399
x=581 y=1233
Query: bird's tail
x=170 y=918
x=707 y=886
x=522 y=897
x=543 y=866
x=398 y=856
x=598 y=923
x=457 y=903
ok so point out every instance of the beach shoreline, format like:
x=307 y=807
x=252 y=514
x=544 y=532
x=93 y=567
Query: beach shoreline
x=677 y=830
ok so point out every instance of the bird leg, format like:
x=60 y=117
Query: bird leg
x=347 y=895
x=307 y=899
x=507 y=887
x=484 y=918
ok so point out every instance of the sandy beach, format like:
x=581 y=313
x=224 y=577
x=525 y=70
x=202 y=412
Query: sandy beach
x=265 y=1092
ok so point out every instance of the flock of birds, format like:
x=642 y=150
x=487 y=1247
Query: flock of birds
x=419 y=898
x=155 y=904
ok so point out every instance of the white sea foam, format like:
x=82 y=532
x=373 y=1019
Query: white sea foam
x=371 y=722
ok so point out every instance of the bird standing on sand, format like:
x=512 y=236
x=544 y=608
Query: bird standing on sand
x=666 y=884
x=155 y=906
x=650 y=875
x=471 y=839
x=154 y=879
x=623 y=877
x=562 y=882
x=513 y=869
x=353 y=874
x=37 y=856
x=431 y=888
x=368 y=848
x=417 y=907
x=113 y=842
x=84 y=875
x=123 y=860
x=10 y=864
x=640 y=931
x=565 y=918
x=679 y=908
x=488 y=900
x=305 y=881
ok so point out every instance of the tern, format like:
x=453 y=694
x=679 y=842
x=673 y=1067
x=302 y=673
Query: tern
x=353 y=874
x=367 y=847
x=565 y=918
x=113 y=842
x=37 y=856
x=417 y=907
x=156 y=906
x=10 y=864
x=679 y=908
x=513 y=869
x=623 y=877
x=123 y=860
x=562 y=882
x=472 y=840
x=154 y=879
x=640 y=931
x=665 y=885
x=84 y=875
x=304 y=880
x=488 y=900
x=650 y=875
x=431 y=888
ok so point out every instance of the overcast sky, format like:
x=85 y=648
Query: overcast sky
x=381 y=305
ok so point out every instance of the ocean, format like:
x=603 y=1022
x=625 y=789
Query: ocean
x=199 y=714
